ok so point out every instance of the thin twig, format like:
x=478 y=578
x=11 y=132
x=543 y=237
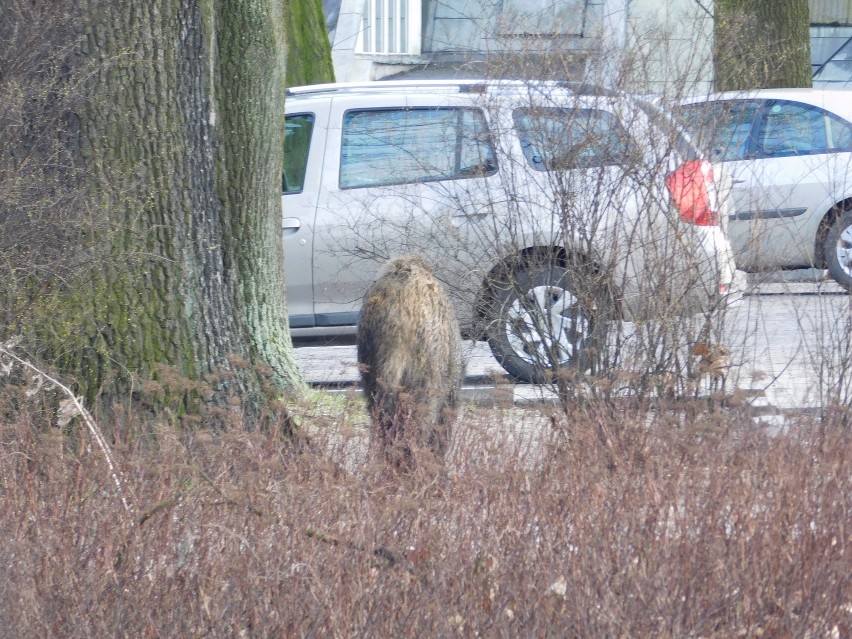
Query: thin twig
x=94 y=430
x=381 y=552
x=229 y=500
x=706 y=10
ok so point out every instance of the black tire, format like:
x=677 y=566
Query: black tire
x=530 y=307
x=837 y=250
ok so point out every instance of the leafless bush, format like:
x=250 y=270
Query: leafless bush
x=710 y=530
x=70 y=406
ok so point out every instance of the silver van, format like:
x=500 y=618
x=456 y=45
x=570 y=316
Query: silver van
x=546 y=209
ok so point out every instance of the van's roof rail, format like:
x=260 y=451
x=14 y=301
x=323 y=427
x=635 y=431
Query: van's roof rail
x=461 y=86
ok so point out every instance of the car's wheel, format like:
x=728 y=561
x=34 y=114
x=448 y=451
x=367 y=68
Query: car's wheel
x=540 y=320
x=837 y=250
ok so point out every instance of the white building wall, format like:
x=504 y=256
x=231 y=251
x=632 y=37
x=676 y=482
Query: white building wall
x=669 y=46
x=346 y=69
x=831 y=12
x=642 y=45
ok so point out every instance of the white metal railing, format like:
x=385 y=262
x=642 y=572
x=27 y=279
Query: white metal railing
x=390 y=27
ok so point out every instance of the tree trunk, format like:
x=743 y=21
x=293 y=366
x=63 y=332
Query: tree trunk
x=762 y=44
x=308 y=47
x=183 y=136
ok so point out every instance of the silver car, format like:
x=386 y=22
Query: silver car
x=788 y=152
x=546 y=209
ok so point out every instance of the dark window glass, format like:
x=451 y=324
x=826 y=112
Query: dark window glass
x=395 y=146
x=560 y=139
x=839 y=134
x=792 y=129
x=722 y=129
x=297 y=144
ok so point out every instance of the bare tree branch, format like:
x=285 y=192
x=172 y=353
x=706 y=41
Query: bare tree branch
x=704 y=8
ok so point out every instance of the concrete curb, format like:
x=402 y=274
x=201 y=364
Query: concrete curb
x=806 y=281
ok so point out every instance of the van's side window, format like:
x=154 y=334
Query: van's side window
x=297 y=143
x=556 y=139
x=395 y=146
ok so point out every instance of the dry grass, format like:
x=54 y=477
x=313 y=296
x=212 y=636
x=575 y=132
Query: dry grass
x=709 y=530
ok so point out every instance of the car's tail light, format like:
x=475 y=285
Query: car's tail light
x=690 y=186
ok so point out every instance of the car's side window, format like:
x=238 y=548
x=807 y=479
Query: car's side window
x=839 y=133
x=298 y=129
x=396 y=146
x=722 y=129
x=555 y=139
x=789 y=129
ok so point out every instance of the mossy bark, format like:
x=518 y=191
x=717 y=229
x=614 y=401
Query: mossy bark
x=308 y=47
x=182 y=135
x=761 y=44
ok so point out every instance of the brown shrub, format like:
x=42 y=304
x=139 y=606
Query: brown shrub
x=714 y=529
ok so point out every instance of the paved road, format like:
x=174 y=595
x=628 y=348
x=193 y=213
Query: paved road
x=789 y=343
x=793 y=342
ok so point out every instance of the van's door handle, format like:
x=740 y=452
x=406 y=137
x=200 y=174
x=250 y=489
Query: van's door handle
x=291 y=225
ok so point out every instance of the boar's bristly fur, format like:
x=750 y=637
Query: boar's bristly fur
x=409 y=352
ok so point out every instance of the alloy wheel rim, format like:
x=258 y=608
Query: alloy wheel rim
x=844 y=250
x=547 y=326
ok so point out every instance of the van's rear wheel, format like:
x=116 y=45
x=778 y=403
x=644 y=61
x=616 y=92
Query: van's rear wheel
x=540 y=320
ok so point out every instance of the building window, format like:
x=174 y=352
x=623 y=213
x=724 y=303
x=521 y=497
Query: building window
x=390 y=27
x=831 y=56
